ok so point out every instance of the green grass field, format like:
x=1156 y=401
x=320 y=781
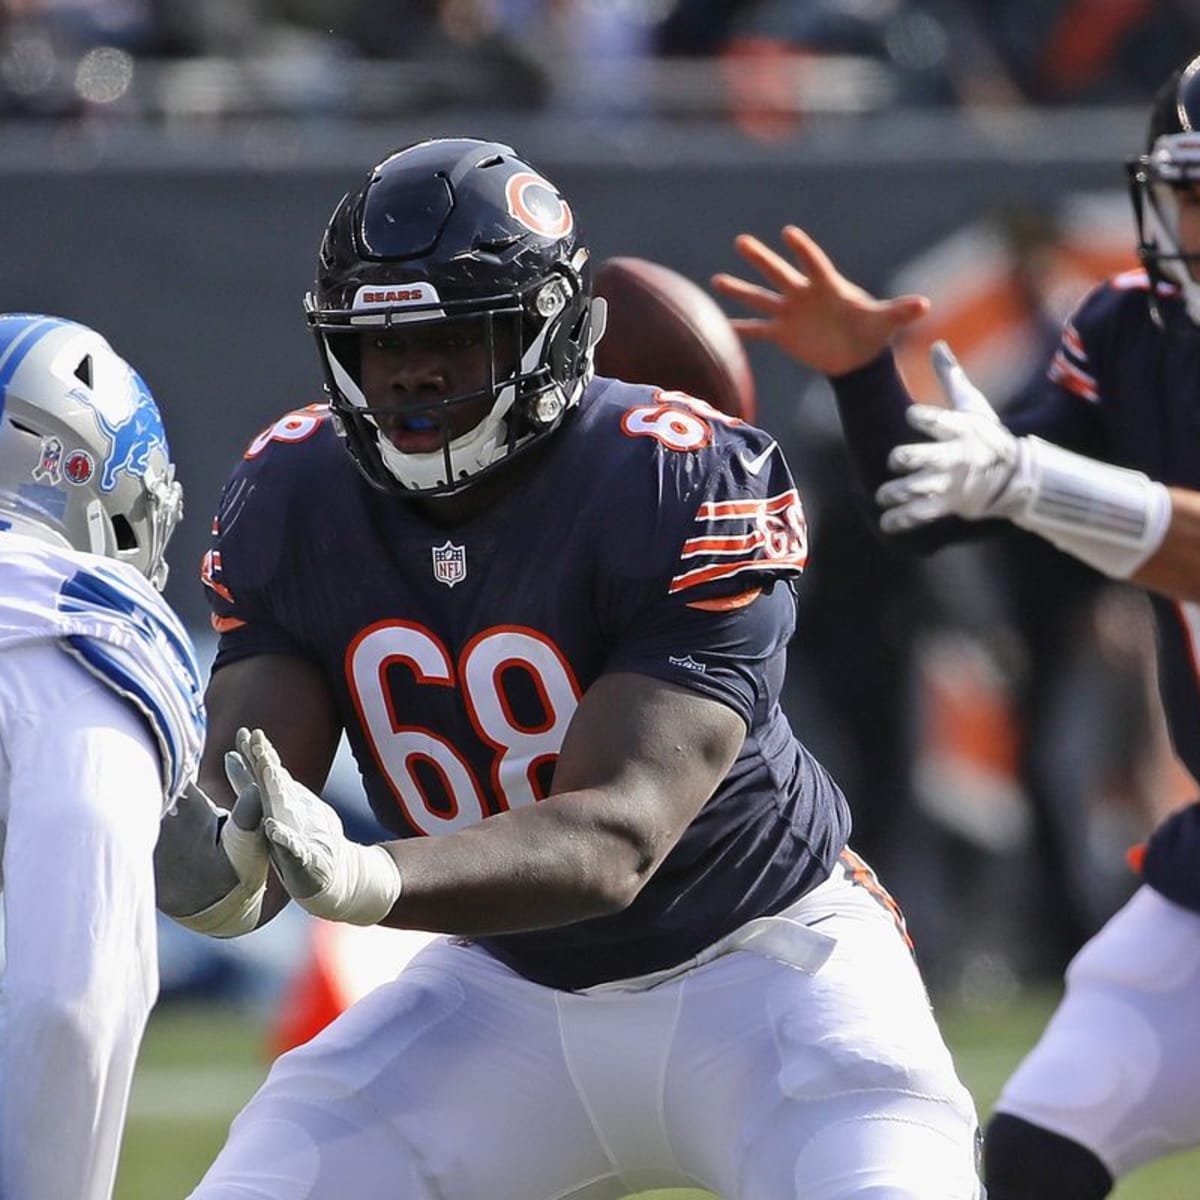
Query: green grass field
x=198 y=1065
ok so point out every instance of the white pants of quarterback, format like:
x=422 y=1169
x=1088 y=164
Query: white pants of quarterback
x=1118 y=1067
x=80 y=803
x=745 y=1075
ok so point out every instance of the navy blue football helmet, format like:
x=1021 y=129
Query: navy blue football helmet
x=463 y=230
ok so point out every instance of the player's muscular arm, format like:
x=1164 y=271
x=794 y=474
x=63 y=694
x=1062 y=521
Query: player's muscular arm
x=639 y=760
x=288 y=699
x=1174 y=569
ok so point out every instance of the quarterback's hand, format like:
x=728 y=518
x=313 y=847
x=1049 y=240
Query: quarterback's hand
x=970 y=469
x=211 y=865
x=326 y=873
x=810 y=310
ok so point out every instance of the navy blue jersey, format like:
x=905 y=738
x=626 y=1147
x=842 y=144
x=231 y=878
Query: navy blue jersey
x=1119 y=389
x=656 y=536
x=1123 y=390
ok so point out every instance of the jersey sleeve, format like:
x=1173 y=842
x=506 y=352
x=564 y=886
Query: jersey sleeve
x=242 y=568
x=139 y=648
x=697 y=588
x=1065 y=410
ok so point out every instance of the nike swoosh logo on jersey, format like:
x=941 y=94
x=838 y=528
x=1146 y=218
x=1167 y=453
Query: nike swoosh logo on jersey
x=755 y=464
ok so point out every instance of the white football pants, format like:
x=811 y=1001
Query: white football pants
x=745 y=1074
x=1118 y=1067
x=80 y=802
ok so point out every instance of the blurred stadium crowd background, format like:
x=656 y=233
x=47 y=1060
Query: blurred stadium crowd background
x=166 y=168
x=774 y=60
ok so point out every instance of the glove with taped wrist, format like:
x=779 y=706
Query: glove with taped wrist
x=210 y=865
x=323 y=871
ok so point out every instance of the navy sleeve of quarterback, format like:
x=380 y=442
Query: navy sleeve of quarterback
x=703 y=598
x=872 y=403
x=1172 y=862
x=243 y=564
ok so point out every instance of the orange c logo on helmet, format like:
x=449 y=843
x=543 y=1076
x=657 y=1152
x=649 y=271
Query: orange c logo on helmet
x=535 y=202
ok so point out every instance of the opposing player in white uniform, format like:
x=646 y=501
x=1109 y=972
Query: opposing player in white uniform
x=101 y=724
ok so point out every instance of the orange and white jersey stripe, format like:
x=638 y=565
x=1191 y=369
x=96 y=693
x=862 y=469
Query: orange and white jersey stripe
x=741 y=536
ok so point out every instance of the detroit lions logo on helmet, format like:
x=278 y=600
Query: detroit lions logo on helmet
x=130 y=420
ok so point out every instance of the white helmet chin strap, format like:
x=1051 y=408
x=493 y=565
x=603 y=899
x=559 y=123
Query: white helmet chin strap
x=97 y=541
x=469 y=453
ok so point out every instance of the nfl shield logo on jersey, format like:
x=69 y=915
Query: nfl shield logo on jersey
x=449 y=563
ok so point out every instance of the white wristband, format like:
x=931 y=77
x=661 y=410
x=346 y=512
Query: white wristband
x=237 y=912
x=362 y=894
x=1109 y=517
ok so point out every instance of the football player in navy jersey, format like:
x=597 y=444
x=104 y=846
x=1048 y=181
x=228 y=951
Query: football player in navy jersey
x=550 y=612
x=101 y=722
x=1105 y=465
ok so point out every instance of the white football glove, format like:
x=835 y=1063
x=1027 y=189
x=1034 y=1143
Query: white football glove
x=966 y=471
x=1109 y=517
x=210 y=865
x=326 y=873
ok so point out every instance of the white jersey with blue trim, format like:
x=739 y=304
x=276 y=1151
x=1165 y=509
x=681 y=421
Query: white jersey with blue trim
x=109 y=618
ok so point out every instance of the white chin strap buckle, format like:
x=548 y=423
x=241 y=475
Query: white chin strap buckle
x=95 y=526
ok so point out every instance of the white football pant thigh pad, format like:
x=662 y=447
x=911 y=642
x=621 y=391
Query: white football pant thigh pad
x=746 y=1076
x=823 y=1086
x=80 y=799
x=1118 y=1067
x=760 y=1080
x=447 y=1083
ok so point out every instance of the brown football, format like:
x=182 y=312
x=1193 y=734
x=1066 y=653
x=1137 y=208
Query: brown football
x=665 y=330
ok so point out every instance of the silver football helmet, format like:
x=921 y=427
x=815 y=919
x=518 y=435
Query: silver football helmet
x=83 y=456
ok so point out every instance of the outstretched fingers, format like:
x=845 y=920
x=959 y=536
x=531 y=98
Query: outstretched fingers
x=262 y=760
x=814 y=262
x=754 y=296
x=771 y=265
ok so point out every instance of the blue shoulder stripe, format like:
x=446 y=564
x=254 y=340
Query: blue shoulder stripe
x=176 y=758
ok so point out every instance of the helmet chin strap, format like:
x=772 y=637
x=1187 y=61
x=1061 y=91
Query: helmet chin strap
x=469 y=453
x=1175 y=268
x=95 y=528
